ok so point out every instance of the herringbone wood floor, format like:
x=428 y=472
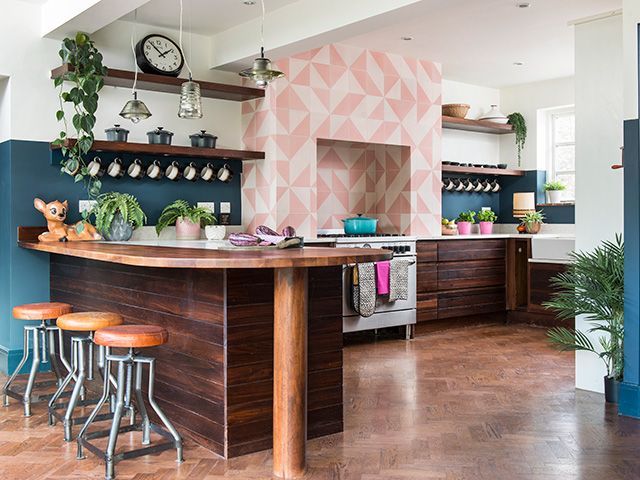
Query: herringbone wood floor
x=490 y=403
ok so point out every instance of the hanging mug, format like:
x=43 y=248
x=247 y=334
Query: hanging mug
x=495 y=186
x=468 y=185
x=154 y=171
x=487 y=186
x=115 y=168
x=190 y=172
x=95 y=168
x=173 y=171
x=478 y=186
x=207 y=173
x=458 y=185
x=225 y=174
x=136 y=170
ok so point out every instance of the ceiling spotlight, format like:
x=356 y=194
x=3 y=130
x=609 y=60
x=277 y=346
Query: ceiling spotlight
x=406 y=38
x=523 y=4
x=518 y=64
x=249 y=2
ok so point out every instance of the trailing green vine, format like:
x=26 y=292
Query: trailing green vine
x=520 y=128
x=85 y=79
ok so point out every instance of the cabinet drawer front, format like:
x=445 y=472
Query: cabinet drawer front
x=474 y=273
x=471 y=302
x=427 y=251
x=427 y=280
x=427 y=307
x=541 y=290
x=459 y=250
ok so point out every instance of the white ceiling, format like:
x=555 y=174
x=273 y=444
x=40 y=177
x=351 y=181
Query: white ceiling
x=205 y=17
x=477 y=41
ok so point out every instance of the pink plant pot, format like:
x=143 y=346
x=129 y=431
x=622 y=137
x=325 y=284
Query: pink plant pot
x=187 y=230
x=486 y=228
x=464 y=228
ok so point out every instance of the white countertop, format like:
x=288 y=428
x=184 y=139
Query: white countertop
x=496 y=236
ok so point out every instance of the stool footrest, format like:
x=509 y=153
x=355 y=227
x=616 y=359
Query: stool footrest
x=35 y=397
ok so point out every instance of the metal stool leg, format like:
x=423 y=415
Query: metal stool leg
x=53 y=358
x=23 y=361
x=141 y=407
x=35 y=365
x=77 y=389
x=115 y=425
x=70 y=376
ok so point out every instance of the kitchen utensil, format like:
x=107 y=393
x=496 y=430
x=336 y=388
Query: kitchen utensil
x=495 y=115
x=208 y=174
x=115 y=168
x=458 y=110
x=154 y=171
x=117 y=134
x=360 y=225
x=191 y=172
x=172 y=172
x=136 y=170
x=95 y=168
x=203 y=140
x=160 y=136
x=225 y=174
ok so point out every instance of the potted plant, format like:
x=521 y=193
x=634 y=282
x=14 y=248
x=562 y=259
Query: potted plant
x=188 y=219
x=593 y=286
x=449 y=227
x=554 y=191
x=486 y=219
x=520 y=129
x=85 y=79
x=533 y=221
x=464 y=221
x=117 y=215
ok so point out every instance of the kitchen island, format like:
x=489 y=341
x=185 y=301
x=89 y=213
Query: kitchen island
x=237 y=369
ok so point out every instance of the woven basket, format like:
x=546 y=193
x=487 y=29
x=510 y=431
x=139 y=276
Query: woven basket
x=458 y=110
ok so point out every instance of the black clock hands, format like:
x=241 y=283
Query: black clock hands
x=168 y=51
x=157 y=49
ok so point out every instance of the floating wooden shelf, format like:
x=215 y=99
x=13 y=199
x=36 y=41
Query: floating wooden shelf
x=507 y=172
x=482 y=126
x=170 y=150
x=160 y=83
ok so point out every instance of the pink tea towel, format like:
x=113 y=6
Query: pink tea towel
x=382 y=277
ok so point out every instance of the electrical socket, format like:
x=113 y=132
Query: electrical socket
x=225 y=207
x=485 y=209
x=211 y=206
x=86 y=205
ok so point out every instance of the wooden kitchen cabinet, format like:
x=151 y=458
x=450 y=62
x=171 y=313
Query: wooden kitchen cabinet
x=540 y=288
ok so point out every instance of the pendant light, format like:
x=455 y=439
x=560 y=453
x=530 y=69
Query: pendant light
x=261 y=72
x=190 y=99
x=135 y=110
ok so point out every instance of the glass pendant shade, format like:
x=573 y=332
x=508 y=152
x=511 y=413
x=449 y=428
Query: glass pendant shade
x=190 y=100
x=135 y=110
x=261 y=72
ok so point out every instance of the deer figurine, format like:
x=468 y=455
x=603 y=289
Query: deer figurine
x=55 y=214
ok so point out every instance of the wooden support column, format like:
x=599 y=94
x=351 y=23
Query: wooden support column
x=290 y=372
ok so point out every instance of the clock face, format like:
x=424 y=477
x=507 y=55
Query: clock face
x=159 y=54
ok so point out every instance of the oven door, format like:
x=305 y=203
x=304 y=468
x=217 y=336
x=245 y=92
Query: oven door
x=381 y=304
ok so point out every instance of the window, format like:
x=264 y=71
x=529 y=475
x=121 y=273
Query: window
x=561 y=163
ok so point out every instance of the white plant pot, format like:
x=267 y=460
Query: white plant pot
x=555 y=196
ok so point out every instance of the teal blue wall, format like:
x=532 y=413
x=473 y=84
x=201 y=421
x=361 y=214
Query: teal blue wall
x=27 y=171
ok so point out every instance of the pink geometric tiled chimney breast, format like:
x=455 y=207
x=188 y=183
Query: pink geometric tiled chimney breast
x=345 y=93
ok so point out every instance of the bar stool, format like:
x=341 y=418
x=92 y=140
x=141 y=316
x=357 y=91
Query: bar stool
x=82 y=356
x=44 y=351
x=130 y=337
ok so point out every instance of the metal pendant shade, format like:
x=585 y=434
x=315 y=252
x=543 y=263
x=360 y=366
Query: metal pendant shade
x=190 y=100
x=135 y=110
x=261 y=72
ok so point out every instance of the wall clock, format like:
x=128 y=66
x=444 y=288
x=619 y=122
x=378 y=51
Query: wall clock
x=160 y=55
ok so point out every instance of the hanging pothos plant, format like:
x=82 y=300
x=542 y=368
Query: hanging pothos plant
x=520 y=128
x=85 y=79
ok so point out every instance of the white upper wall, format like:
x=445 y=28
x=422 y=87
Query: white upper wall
x=34 y=101
x=631 y=19
x=528 y=99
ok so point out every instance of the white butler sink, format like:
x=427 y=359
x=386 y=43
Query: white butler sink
x=552 y=248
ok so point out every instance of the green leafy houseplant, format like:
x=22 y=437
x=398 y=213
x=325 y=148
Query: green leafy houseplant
x=554 y=186
x=468 y=216
x=85 y=79
x=533 y=221
x=121 y=207
x=520 y=129
x=180 y=209
x=593 y=286
x=487 y=216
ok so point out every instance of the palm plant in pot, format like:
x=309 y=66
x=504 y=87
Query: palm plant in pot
x=533 y=221
x=188 y=219
x=117 y=215
x=464 y=222
x=555 y=191
x=593 y=286
x=486 y=219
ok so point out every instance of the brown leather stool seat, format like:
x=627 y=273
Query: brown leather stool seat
x=88 y=321
x=131 y=336
x=41 y=311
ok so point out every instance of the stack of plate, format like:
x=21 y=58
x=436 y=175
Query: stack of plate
x=495 y=115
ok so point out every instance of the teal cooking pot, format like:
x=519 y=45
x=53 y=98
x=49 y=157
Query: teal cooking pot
x=360 y=225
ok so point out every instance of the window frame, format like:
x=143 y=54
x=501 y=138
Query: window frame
x=552 y=145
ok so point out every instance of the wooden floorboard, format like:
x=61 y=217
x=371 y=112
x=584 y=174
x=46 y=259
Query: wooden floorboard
x=480 y=403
